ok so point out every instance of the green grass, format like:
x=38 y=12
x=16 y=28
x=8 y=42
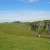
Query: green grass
x=19 y=37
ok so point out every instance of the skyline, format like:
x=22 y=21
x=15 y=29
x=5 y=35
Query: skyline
x=24 y=10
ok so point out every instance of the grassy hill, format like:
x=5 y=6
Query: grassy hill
x=18 y=36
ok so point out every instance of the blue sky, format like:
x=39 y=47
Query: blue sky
x=24 y=10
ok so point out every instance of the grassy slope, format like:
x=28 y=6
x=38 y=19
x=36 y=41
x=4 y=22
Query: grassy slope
x=19 y=37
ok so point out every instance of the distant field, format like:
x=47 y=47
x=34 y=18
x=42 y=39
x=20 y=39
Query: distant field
x=19 y=37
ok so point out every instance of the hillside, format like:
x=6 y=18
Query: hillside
x=18 y=36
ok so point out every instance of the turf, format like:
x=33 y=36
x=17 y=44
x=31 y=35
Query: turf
x=19 y=37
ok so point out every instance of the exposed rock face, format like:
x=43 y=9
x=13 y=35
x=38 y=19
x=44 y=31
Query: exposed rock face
x=41 y=27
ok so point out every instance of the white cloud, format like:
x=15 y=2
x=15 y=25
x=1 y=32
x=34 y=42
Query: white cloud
x=33 y=1
x=7 y=16
x=33 y=16
x=29 y=1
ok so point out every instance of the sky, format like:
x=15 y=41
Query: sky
x=24 y=10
